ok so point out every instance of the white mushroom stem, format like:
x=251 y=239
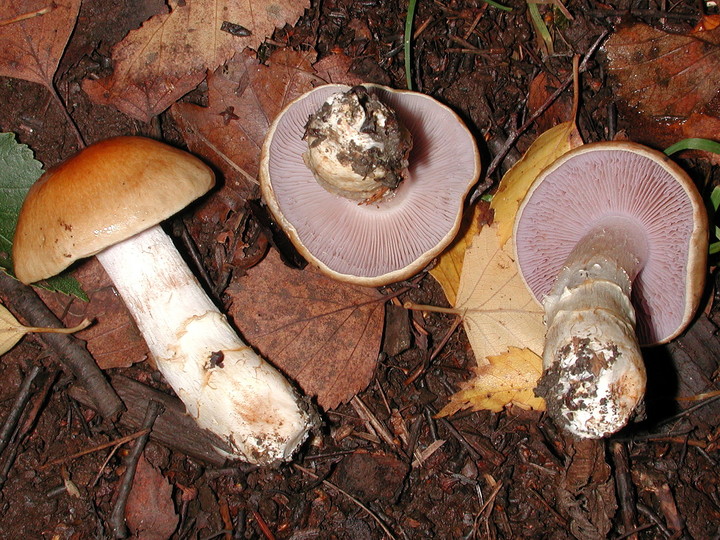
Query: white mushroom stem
x=224 y=384
x=594 y=373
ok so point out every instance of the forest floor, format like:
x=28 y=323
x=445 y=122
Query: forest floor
x=383 y=465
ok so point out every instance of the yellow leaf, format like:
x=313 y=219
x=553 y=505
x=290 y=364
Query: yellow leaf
x=509 y=378
x=515 y=183
x=11 y=331
x=498 y=309
x=450 y=263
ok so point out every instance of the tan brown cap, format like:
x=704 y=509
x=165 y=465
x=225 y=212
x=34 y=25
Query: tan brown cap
x=106 y=193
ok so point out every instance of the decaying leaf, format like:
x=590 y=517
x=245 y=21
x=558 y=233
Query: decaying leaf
x=507 y=379
x=662 y=74
x=31 y=47
x=244 y=97
x=515 y=183
x=150 y=510
x=668 y=83
x=11 y=331
x=449 y=265
x=498 y=309
x=322 y=333
x=169 y=55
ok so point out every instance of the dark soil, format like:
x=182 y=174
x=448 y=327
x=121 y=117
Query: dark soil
x=506 y=475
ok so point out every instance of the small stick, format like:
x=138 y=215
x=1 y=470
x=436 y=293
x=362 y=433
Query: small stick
x=69 y=349
x=623 y=482
x=28 y=15
x=28 y=422
x=18 y=407
x=117 y=518
x=353 y=499
x=116 y=442
x=516 y=134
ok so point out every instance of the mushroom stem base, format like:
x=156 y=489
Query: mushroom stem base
x=224 y=384
x=594 y=374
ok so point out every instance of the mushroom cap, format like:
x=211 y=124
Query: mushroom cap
x=381 y=242
x=106 y=193
x=620 y=179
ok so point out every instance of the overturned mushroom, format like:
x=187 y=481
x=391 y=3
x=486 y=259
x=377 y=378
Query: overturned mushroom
x=612 y=238
x=368 y=182
x=107 y=201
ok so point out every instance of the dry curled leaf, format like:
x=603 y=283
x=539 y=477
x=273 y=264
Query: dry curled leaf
x=322 y=333
x=31 y=47
x=11 y=331
x=169 y=55
x=150 y=510
x=508 y=379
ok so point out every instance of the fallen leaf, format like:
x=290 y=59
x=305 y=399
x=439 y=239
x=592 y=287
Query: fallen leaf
x=11 y=331
x=499 y=311
x=150 y=510
x=322 y=333
x=31 y=48
x=449 y=265
x=515 y=183
x=661 y=74
x=169 y=55
x=507 y=379
x=540 y=92
x=244 y=97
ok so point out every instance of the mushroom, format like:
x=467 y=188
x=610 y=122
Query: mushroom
x=612 y=238
x=338 y=174
x=107 y=201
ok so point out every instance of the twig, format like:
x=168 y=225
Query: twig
x=71 y=353
x=371 y=420
x=117 y=518
x=623 y=483
x=116 y=442
x=28 y=15
x=18 y=407
x=329 y=484
x=26 y=426
x=500 y=156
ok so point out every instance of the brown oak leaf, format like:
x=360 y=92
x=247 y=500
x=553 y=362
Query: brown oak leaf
x=31 y=47
x=169 y=55
x=322 y=333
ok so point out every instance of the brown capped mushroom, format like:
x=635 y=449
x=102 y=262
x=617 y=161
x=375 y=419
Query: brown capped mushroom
x=612 y=239
x=391 y=227
x=107 y=201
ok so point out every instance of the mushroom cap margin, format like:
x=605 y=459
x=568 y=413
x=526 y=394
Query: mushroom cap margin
x=103 y=195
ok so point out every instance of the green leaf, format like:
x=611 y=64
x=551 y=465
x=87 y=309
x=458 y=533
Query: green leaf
x=18 y=171
x=694 y=144
x=715 y=198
